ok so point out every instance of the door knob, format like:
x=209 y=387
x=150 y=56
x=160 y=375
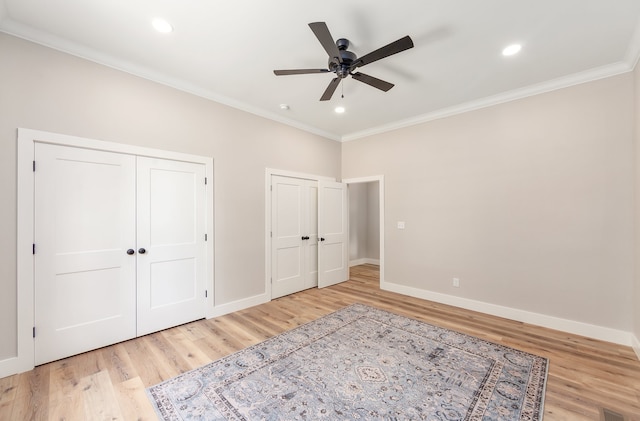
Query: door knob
x=130 y=251
x=141 y=250
x=305 y=237
x=321 y=239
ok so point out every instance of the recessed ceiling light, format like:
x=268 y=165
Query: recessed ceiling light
x=162 y=25
x=339 y=110
x=512 y=49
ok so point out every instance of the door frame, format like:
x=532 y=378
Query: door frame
x=27 y=138
x=267 y=219
x=380 y=180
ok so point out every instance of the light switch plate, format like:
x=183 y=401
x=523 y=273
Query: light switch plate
x=400 y=225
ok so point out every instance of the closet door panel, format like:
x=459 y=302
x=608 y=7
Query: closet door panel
x=171 y=243
x=287 y=230
x=311 y=228
x=84 y=225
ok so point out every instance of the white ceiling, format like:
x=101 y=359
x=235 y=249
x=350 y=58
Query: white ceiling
x=227 y=51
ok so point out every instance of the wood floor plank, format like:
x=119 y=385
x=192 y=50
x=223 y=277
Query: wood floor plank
x=163 y=351
x=133 y=402
x=5 y=410
x=99 y=398
x=143 y=362
x=193 y=331
x=118 y=363
x=585 y=375
x=65 y=391
x=8 y=389
x=32 y=396
x=192 y=355
x=66 y=407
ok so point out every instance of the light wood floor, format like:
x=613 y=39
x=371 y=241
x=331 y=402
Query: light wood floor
x=585 y=375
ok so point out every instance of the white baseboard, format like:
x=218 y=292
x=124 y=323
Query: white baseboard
x=636 y=345
x=17 y=365
x=364 y=261
x=222 y=309
x=8 y=367
x=584 y=329
x=14 y=365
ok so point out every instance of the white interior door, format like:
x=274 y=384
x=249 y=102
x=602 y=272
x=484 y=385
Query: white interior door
x=85 y=283
x=294 y=264
x=333 y=216
x=171 y=243
x=311 y=229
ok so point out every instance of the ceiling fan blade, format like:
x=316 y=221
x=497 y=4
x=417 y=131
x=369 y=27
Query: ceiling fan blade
x=328 y=93
x=324 y=36
x=386 y=51
x=299 y=71
x=373 y=81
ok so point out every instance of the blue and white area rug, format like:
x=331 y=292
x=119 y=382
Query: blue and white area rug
x=361 y=363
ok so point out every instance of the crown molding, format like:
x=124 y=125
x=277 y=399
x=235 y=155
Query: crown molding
x=629 y=63
x=548 y=86
x=16 y=29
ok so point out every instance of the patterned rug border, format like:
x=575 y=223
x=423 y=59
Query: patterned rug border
x=532 y=392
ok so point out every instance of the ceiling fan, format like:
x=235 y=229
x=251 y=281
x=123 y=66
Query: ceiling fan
x=344 y=63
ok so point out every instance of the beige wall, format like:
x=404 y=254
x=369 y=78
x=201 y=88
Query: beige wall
x=529 y=203
x=47 y=90
x=636 y=300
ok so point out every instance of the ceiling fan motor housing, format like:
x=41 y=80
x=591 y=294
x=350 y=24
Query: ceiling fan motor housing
x=347 y=58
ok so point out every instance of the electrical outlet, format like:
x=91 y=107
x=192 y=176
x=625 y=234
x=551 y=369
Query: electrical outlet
x=456 y=282
x=400 y=225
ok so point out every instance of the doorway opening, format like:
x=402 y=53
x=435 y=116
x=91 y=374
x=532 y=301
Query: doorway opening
x=366 y=224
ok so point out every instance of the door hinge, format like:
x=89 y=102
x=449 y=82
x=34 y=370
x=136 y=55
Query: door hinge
x=271 y=188
x=271 y=234
x=205 y=237
x=34 y=331
x=33 y=249
x=205 y=180
x=206 y=293
x=34 y=166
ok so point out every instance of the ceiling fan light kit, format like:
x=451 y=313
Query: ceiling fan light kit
x=343 y=62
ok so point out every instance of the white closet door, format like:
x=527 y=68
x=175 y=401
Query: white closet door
x=333 y=214
x=311 y=229
x=294 y=235
x=171 y=243
x=85 y=281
